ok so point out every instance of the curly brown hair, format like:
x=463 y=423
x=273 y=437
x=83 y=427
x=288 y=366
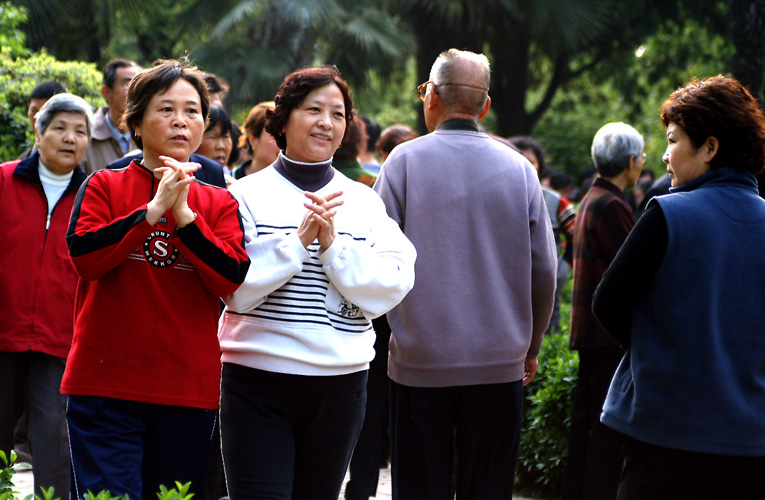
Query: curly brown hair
x=723 y=108
x=293 y=91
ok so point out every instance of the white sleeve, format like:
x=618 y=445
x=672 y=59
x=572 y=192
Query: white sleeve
x=275 y=259
x=375 y=274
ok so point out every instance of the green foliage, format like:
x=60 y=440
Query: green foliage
x=103 y=495
x=256 y=43
x=547 y=413
x=7 y=492
x=12 y=38
x=390 y=99
x=665 y=61
x=6 y=476
x=181 y=493
x=18 y=76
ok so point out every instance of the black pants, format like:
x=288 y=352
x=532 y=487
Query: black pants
x=655 y=473
x=32 y=380
x=595 y=451
x=288 y=437
x=372 y=446
x=470 y=433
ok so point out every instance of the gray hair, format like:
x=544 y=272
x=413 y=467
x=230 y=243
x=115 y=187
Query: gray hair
x=69 y=103
x=463 y=87
x=613 y=146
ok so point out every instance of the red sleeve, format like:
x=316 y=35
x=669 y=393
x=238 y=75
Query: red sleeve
x=216 y=247
x=566 y=215
x=97 y=243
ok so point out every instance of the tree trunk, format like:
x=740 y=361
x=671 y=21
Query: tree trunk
x=747 y=32
x=510 y=77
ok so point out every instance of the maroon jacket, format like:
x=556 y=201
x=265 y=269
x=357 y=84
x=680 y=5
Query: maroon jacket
x=603 y=222
x=37 y=280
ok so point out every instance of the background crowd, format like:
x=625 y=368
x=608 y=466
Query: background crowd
x=374 y=295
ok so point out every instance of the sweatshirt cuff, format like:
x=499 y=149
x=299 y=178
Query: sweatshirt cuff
x=328 y=255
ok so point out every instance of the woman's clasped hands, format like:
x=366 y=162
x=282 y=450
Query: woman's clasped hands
x=172 y=192
x=318 y=221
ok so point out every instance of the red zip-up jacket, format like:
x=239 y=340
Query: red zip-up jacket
x=37 y=280
x=147 y=305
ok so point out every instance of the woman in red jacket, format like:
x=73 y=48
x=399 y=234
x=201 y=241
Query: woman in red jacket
x=154 y=251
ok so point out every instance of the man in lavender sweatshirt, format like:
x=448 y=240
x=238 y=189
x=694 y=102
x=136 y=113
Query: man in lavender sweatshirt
x=465 y=340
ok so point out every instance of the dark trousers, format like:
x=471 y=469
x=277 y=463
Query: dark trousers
x=655 y=473
x=288 y=437
x=32 y=379
x=478 y=425
x=595 y=451
x=131 y=448
x=372 y=447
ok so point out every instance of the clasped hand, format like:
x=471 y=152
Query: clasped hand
x=172 y=192
x=318 y=222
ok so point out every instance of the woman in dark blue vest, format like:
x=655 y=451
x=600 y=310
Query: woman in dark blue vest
x=685 y=297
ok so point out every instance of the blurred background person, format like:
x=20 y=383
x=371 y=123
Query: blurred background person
x=346 y=160
x=37 y=286
x=370 y=133
x=110 y=140
x=372 y=449
x=393 y=136
x=236 y=157
x=684 y=296
x=562 y=214
x=297 y=337
x=216 y=141
x=155 y=250
x=218 y=89
x=37 y=98
x=602 y=224
x=256 y=139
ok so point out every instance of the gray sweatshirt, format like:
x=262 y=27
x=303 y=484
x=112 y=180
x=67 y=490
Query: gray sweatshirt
x=486 y=266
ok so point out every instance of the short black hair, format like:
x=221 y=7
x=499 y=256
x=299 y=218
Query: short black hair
x=219 y=116
x=46 y=90
x=373 y=131
x=110 y=70
x=215 y=83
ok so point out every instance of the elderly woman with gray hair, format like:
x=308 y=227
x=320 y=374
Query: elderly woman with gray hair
x=602 y=224
x=37 y=285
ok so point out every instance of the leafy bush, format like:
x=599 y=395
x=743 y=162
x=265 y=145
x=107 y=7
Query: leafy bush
x=20 y=71
x=547 y=413
x=7 y=492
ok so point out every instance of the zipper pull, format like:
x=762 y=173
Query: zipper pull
x=47 y=223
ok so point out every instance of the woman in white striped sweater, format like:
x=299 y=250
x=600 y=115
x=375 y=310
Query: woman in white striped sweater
x=297 y=336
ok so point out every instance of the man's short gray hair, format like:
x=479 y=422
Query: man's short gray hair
x=613 y=146
x=458 y=85
x=69 y=103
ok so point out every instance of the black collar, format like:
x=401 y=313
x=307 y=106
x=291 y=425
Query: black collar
x=28 y=168
x=306 y=176
x=459 y=124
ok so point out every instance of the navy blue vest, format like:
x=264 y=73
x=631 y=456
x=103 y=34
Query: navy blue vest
x=694 y=377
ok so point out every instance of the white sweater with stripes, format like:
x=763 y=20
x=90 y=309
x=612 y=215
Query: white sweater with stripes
x=306 y=312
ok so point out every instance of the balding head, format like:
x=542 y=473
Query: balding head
x=462 y=81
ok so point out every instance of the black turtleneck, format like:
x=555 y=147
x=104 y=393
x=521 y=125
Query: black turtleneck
x=306 y=176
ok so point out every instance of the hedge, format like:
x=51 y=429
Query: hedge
x=19 y=75
x=547 y=413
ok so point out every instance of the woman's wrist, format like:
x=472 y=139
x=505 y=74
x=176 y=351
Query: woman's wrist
x=184 y=217
x=153 y=212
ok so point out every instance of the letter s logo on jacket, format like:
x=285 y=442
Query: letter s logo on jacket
x=158 y=250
